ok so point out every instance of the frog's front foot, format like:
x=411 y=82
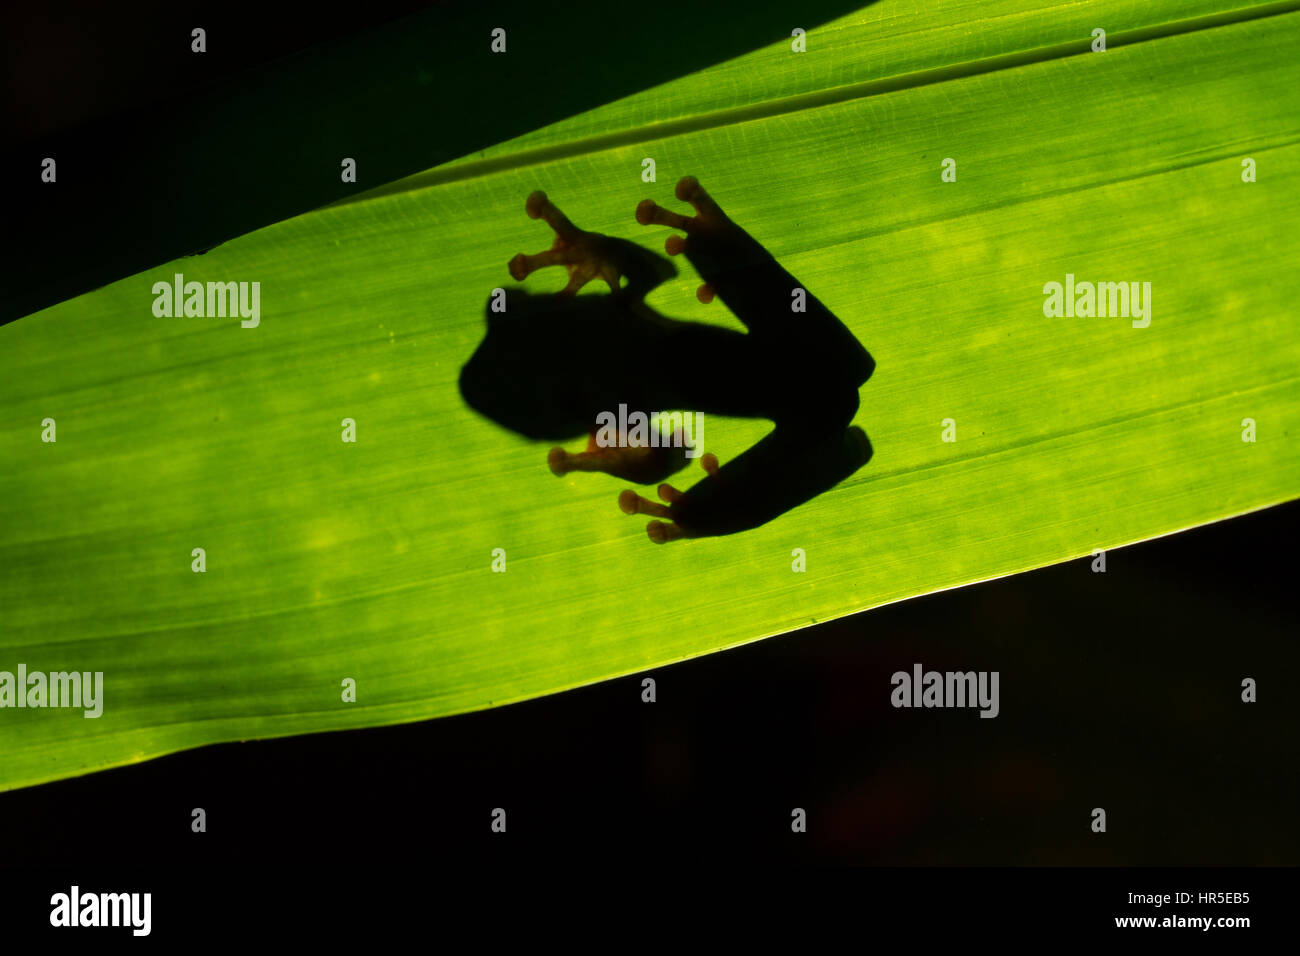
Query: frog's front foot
x=584 y=254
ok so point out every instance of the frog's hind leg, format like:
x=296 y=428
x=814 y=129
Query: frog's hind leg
x=633 y=504
x=661 y=532
x=708 y=223
x=708 y=214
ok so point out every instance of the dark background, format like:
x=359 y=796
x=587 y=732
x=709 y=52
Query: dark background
x=1119 y=690
x=162 y=152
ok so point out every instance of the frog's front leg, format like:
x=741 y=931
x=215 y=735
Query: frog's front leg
x=590 y=255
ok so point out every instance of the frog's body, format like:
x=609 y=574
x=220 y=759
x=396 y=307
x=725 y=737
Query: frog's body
x=550 y=364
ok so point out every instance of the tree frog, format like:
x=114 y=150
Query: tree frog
x=551 y=365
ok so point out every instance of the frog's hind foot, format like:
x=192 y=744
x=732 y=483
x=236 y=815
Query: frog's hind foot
x=659 y=532
x=709 y=221
x=644 y=465
x=708 y=216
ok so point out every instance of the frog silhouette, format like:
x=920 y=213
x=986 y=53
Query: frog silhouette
x=550 y=365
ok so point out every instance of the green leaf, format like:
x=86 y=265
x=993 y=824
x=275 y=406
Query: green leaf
x=372 y=560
